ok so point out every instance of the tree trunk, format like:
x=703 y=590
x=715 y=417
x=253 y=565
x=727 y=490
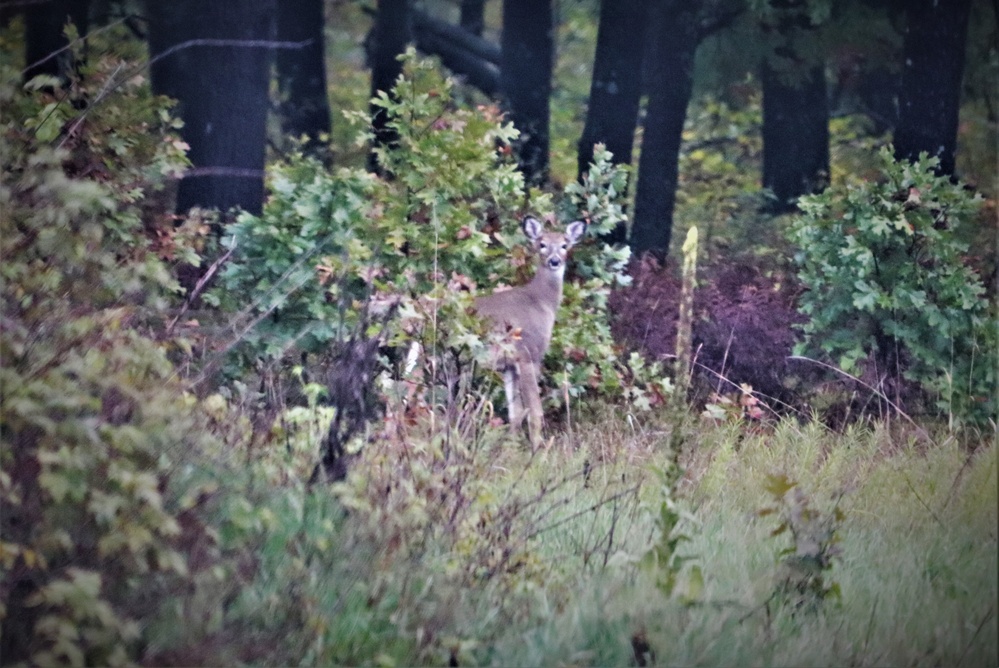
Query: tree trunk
x=526 y=80
x=616 y=86
x=933 y=66
x=795 y=136
x=221 y=84
x=301 y=72
x=473 y=16
x=674 y=32
x=389 y=36
x=44 y=23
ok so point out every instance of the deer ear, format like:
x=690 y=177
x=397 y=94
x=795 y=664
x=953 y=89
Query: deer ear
x=533 y=228
x=575 y=231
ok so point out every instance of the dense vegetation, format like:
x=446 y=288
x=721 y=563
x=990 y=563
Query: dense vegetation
x=263 y=469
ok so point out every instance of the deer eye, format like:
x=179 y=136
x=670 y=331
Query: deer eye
x=565 y=246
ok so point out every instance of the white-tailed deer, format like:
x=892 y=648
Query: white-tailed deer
x=528 y=313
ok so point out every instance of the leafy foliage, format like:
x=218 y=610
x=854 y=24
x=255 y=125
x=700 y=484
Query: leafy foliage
x=887 y=282
x=439 y=226
x=97 y=519
x=805 y=565
x=723 y=407
x=664 y=559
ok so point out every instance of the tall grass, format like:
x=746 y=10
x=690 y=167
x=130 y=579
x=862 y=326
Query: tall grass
x=918 y=571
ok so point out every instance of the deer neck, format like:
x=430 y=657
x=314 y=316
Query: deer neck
x=546 y=286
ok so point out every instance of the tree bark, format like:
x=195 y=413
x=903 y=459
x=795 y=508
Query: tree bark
x=301 y=72
x=389 y=36
x=221 y=83
x=616 y=86
x=675 y=34
x=795 y=136
x=932 y=69
x=526 y=80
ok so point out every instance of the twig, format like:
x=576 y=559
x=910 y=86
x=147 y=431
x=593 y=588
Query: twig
x=591 y=508
x=757 y=393
x=870 y=624
x=610 y=535
x=924 y=504
x=200 y=286
x=244 y=43
x=958 y=478
x=71 y=44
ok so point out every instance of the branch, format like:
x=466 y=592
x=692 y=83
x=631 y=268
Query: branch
x=478 y=46
x=483 y=75
x=460 y=51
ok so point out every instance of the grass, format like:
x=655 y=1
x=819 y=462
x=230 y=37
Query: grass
x=917 y=571
x=918 y=568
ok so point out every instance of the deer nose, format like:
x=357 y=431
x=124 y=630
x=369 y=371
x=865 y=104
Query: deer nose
x=554 y=262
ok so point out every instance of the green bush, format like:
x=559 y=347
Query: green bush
x=439 y=226
x=98 y=519
x=887 y=283
x=326 y=242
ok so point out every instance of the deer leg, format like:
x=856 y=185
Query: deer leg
x=531 y=395
x=514 y=407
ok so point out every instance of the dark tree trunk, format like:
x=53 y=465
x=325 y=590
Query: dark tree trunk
x=526 y=80
x=616 y=86
x=462 y=52
x=389 y=37
x=795 y=136
x=221 y=84
x=473 y=16
x=670 y=81
x=44 y=24
x=301 y=72
x=932 y=69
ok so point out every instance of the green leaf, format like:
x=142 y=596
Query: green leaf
x=777 y=485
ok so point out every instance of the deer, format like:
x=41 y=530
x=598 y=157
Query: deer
x=527 y=314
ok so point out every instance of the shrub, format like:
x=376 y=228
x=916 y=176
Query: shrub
x=887 y=284
x=804 y=567
x=440 y=225
x=98 y=520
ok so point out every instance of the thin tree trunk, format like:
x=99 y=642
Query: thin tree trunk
x=616 y=86
x=670 y=82
x=301 y=72
x=932 y=70
x=390 y=35
x=526 y=80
